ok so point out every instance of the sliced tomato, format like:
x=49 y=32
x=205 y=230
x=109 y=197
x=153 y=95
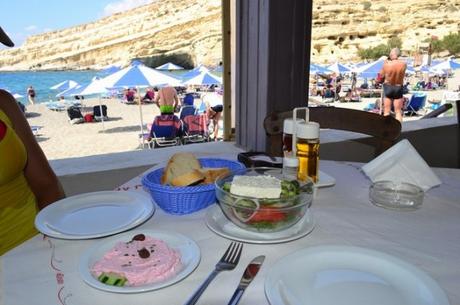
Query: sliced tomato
x=268 y=214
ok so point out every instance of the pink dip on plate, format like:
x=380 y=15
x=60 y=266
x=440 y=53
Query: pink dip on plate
x=143 y=260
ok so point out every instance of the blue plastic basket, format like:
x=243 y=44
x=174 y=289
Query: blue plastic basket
x=185 y=199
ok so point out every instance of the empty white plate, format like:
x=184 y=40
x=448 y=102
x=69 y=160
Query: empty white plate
x=93 y=215
x=331 y=275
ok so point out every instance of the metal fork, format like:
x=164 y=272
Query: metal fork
x=228 y=261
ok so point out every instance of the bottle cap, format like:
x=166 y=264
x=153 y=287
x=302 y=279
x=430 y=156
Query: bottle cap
x=288 y=126
x=290 y=162
x=308 y=130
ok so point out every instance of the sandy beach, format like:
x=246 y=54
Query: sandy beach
x=59 y=139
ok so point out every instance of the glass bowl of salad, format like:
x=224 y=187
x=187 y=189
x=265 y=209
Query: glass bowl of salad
x=262 y=199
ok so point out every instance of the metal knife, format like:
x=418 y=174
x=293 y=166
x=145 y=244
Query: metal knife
x=248 y=275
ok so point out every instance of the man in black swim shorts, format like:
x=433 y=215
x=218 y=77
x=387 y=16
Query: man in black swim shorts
x=393 y=72
x=215 y=108
x=393 y=92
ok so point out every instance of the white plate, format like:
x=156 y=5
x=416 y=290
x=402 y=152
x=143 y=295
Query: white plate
x=188 y=249
x=331 y=275
x=217 y=222
x=93 y=215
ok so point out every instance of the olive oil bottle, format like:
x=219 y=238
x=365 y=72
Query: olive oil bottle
x=308 y=150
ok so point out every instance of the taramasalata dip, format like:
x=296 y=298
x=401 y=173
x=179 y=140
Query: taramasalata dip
x=143 y=260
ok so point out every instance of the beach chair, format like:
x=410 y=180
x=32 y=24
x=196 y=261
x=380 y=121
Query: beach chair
x=165 y=131
x=97 y=112
x=195 y=129
x=75 y=116
x=35 y=129
x=416 y=103
x=186 y=111
x=55 y=106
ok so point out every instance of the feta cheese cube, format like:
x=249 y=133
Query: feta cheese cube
x=256 y=186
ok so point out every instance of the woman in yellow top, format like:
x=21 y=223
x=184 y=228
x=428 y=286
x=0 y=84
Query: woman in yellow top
x=27 y=182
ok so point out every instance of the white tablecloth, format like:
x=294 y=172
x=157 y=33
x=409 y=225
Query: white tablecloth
x=44 y=270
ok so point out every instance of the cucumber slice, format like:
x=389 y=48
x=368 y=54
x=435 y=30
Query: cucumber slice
x=112 y=279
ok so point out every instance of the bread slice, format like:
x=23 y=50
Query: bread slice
x=178 y=165
x=191 y=178
x=211 y=174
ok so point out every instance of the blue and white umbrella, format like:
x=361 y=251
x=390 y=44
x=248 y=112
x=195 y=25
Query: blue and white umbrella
x=194 y=72
x=219 y=69
x=138 y=75
x=447 y=65
x=94 y=87
x=169 y=67
x=65 y=85
x=339 y=68
x=318 y=69
x=203 y=79
x=425 y=69
x=110 y=69
x=371 y=69
x=410 y=69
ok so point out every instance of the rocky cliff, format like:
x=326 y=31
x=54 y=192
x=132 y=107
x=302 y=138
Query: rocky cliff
x=189 y=31
x=342 y=27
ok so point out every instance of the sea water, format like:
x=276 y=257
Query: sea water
x=18 y=82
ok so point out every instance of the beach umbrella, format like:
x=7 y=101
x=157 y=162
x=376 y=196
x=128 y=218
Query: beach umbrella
x=65 y=85
x=194 y=72
x=339 y=68
x=425 y=69
x=371 y=69
x=410 y=69
x=447 y=65
x=138 y=75
x=169 y=66
x=219 y=69
x=110 y=69
x=70 y=92
x=94 y=87
x=203 y=79
x=318 y=69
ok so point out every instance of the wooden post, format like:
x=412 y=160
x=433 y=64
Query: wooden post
x=226 y=73
x=272 y=58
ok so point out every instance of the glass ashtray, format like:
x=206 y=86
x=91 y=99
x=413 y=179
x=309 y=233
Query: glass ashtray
x=396 y=195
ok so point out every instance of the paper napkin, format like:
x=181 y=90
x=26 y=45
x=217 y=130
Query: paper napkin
x=402 y=163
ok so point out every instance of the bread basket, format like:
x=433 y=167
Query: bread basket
x=185 y=199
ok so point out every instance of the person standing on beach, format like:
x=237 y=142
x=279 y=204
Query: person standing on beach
x=393 y=72
x=27 y=182
x=167 y=100
x=31 y=95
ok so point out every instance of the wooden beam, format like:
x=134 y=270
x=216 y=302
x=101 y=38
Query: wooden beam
x=226 y=74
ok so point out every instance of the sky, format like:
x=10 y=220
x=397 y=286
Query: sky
x=23 y=18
